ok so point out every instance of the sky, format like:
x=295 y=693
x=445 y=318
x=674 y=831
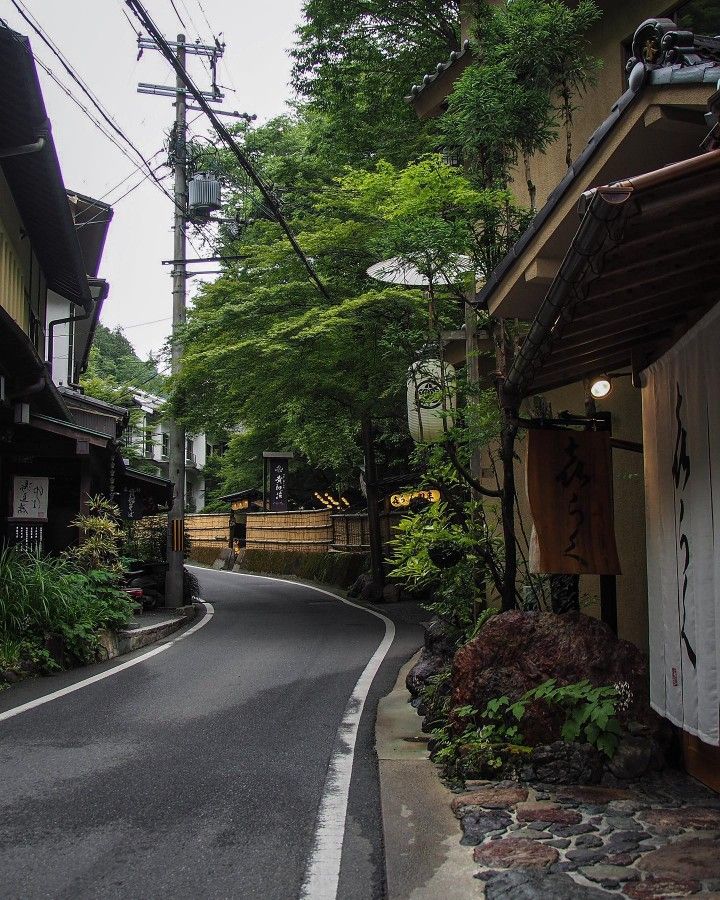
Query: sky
x=97 y=39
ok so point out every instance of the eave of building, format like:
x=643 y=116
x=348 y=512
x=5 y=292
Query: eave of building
x=247 y=494
x=34 y=178
x=640 y=271
x=26 y=375
x=652 y=125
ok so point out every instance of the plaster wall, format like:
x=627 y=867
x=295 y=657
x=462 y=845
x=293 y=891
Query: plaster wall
x=60 y=308
x=617 y=25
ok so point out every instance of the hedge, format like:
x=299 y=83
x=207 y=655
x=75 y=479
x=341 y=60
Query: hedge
x=334 y=567
x=203 y=554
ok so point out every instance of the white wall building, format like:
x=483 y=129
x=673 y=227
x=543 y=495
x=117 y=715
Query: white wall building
x=150 y=438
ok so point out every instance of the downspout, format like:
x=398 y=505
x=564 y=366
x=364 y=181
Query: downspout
x=51 y=333
x=22 y=149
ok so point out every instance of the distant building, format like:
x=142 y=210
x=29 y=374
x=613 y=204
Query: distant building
x=150 y=438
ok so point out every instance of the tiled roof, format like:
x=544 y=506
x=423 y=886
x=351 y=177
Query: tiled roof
x=441 y=67
x=681 y=58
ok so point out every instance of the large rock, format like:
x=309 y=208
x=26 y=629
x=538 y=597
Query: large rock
x=530 y=884
x=436 y=656
x=563 y=763
x=489 y=798
x=518 y=650
x=514 y=853
x=689 y=858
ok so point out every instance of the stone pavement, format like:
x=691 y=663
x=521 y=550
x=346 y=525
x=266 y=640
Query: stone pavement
x=659 y=839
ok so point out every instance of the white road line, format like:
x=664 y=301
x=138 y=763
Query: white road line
x=323 y=871
x=78 y=685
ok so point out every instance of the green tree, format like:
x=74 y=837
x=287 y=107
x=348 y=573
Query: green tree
x=532 y=60
x=113 y=358
x=356 y=60
x=263 y=346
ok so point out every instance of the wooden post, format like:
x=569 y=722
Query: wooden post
x=608 y=583
x=510 y=407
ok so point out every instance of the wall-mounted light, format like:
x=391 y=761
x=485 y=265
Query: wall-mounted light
x=600 y=387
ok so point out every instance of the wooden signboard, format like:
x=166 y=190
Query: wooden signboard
x=569 y=484
x=29 y=499
x=402 y=501
x=278 y=484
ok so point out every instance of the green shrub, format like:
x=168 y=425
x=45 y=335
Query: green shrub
x=492 y=739
x=434 y=550
x=340 y=569
x=204 y=555
x=51 y=597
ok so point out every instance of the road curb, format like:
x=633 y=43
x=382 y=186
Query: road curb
x=118 y=643
x=424 y=859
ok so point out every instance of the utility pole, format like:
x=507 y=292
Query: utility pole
x=176 y=454
x=176 y=444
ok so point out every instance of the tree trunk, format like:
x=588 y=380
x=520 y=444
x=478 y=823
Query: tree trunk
x=377 y=572
x=532 y=190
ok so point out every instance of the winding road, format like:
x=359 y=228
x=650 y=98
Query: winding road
x=235 y=762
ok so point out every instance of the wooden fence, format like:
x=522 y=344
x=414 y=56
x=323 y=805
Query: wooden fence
x=350 y=532
x=309 y=530
x=206 y=530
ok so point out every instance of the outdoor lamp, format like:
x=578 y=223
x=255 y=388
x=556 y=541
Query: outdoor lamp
x=600 y=386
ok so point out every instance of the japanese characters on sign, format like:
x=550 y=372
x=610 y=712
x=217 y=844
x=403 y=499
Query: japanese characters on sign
x=278 y=485
x=30 y=498
x=402 y=501
x=569 y=483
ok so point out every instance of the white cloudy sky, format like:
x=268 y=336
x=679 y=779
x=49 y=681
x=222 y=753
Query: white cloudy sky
x=97 y=39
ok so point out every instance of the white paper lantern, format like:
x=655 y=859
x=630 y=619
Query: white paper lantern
x=431 y=395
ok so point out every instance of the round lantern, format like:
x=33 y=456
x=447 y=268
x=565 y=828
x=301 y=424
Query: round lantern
x=430 y=396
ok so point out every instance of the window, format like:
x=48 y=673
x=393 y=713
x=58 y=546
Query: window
x=189 y=458
x=148 y=444
x=165 y=453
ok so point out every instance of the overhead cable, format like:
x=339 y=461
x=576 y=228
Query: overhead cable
x=146 y=21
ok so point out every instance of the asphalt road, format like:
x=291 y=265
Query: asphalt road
x=199 y=772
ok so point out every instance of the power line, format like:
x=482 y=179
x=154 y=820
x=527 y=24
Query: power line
x=151 y=322
x=106 y=116
x=175 y=9
x=144 y=18
x=106 y=134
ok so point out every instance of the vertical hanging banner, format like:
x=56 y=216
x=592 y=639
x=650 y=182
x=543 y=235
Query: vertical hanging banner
x=681 y=438
x=569 y=485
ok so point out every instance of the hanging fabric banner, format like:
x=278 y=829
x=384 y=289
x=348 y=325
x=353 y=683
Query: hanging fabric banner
x=681 y=437
x=569 y=485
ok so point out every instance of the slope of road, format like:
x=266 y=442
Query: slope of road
x=199 y=771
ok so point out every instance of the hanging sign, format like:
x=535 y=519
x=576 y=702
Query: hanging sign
x=681 y=440
x=30 y=498
x=278 y=485
x=402 y=501
x=569 y=484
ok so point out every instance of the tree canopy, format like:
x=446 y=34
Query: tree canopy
x=356 y=60
x=114 y=367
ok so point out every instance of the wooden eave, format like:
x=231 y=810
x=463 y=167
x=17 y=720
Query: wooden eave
x=648 y=131
x=642 y=268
